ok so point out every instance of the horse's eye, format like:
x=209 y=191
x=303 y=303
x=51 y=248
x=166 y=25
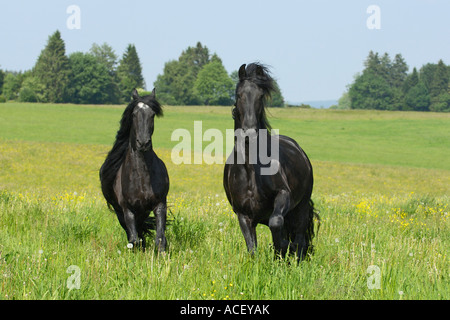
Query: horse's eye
x=235 y=112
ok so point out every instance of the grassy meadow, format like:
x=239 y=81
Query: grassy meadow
x=382 y=186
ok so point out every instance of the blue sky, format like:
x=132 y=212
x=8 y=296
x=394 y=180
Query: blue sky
x=314 y=48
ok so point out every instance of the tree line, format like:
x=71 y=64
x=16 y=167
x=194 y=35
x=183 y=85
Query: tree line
x=199 y=78
x=98 y=77
x=95 y=77
x=385 y=84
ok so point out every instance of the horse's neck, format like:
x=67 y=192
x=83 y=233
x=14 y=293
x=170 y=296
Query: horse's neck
x=139 y=160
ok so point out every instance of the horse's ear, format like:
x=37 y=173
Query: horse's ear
x=242 y=72
x=135 y=94
x=153 y=93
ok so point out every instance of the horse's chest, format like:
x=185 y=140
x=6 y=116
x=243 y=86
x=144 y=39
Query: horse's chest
x=249 y=198
x=136 y=186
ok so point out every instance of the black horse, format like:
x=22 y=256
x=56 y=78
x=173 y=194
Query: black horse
x=134 y=180
x=275 y=191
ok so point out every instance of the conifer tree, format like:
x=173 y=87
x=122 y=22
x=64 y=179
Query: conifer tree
x=52 y=69
x=129 y=72
x=439 y=89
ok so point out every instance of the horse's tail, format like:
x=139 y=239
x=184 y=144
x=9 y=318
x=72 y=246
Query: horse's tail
x=312 y=214
x=150 y=223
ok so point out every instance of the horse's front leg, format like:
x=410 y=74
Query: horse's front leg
x=276 y=222
x=161 y=216
x=248 y=231
x=130 y=223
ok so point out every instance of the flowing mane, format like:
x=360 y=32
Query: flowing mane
x=259 y=74
x=116 y=156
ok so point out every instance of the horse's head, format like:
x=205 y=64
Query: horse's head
x=254 y=87
x=142 y=127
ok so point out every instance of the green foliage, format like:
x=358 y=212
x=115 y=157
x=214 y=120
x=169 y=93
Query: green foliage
x=129 y=73
x=441 y=103
x=52 y=69
x=439 y=82
x=213 y=86
x=105 y=55
x=385 y=85
x=370 y=91
x=277 y=100
x=417 y=98
x=411 y=80
x=32 y=89
x=300 y=106
x=11 y=86
x=176 y=85
x=27 y=94
x=439 y=88
x=2 y=78
x=98 y=78
x=90 y=81
x=142 y=92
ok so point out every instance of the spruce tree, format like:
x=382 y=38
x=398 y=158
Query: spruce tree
x=439 y=83
x=129 y=73
x=398 y=71
x=410 y=81
x=439 y=92
x=52 y=69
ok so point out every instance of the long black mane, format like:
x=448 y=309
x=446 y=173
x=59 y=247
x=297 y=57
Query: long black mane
x=116 y=156
x=260 y=75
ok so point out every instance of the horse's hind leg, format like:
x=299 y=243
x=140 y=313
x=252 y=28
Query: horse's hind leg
x=276 y=222
x=300 y=237
x=161 y=216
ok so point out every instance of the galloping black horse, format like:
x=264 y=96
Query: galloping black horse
x=275 y=192
x=134 y=180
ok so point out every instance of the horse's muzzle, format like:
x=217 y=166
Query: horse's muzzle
x=143 y=146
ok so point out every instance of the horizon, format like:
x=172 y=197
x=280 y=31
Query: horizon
x=314 y=49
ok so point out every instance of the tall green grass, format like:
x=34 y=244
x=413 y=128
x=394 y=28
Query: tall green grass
x=388 y=212
x=405 y=237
